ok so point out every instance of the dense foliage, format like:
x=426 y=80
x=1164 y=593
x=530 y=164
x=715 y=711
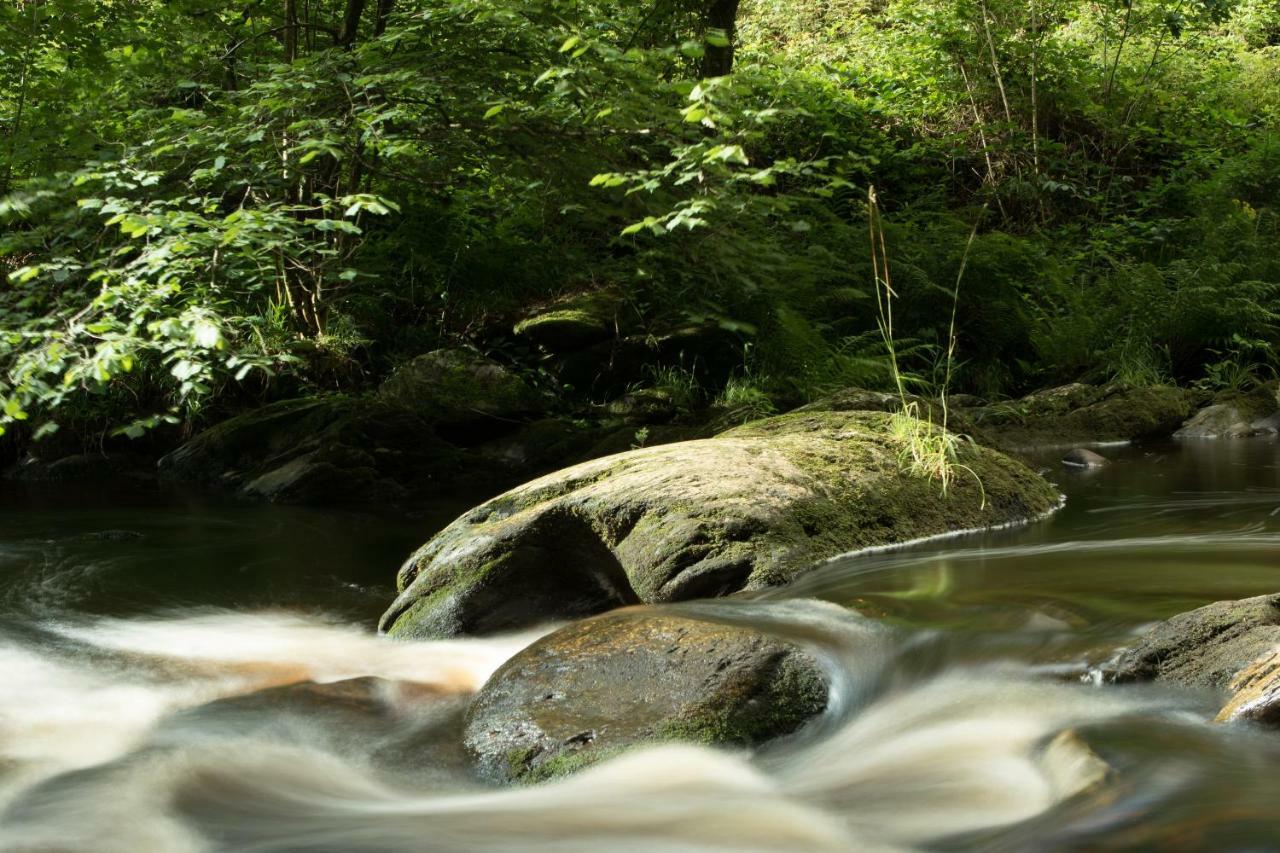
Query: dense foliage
x=210 y=202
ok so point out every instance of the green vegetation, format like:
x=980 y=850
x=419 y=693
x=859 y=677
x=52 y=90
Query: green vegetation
x=206 y=206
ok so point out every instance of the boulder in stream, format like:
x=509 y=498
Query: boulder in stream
x=1239 y=415
x=1080 y=414
x=1084 y=458
x=1228 y=645
x=1205 y=647
x=601 y=685
x=751 y=508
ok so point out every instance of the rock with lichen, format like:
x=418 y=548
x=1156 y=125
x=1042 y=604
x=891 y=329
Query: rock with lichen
x=750 y=508
x=1077 y=414
x=602 y=685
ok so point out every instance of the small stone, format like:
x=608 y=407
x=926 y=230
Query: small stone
x=1083 y=458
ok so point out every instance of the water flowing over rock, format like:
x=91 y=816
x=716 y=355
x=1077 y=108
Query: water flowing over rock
x=751 y=508
x=635 y=676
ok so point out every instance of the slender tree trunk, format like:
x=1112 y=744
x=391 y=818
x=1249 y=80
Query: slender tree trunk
x=351 y=23
x=384 y=12
x=290 y=30
x=720 y=15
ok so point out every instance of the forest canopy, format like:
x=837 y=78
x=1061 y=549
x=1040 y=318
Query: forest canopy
x=206 y=204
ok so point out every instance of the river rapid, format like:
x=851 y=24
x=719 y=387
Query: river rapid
x=967 y=712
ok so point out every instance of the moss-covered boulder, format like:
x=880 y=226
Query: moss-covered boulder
x=573 y=322
x=463 y=389
x=1237 y=415
x=1206 y=647
x=1080 y=414
x=750 y=508
x=601 y=685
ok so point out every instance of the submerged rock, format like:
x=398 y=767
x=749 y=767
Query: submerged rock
x=1084 y=458
x=750 y=508
x=601 y=685
x=1206 y=647
x=1079 y=413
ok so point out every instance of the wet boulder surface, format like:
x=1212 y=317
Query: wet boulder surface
x=748 y=509
x=1205 y=647
x=1230 y=646
x=638 y=676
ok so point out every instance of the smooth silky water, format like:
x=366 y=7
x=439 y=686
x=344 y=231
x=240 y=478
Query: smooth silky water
x=966 y=710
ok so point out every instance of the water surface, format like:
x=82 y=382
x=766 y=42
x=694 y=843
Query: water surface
x=136 y=628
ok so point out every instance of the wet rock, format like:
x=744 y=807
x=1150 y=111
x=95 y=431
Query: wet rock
x=573 y=323
x=1206 y=647
x=1079 y=413
x=1256 y=692
x=1084 y=458
x=1072 y=765
x=462 y=389
x=1236 y=416
x=601 y=685
x=751 y=508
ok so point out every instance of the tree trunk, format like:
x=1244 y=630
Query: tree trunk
x=384 y=12
x=720 y=15
x=350 y=23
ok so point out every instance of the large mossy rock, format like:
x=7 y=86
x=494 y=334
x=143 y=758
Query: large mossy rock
x=1237 y=415
x=1206 y=647
x=575 y=322
x=750 y=508
x=462 y=389
x=1079 y=414
x=636 y=676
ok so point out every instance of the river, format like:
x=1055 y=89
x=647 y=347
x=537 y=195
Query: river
x=967 y=712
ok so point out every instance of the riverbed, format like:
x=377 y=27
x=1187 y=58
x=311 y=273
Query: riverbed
x=139 y=627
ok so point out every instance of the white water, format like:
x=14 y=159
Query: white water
x=958 y=719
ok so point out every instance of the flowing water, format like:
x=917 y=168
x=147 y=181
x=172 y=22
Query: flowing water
x=965 y=713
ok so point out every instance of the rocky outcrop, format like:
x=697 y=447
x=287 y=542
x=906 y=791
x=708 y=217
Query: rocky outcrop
x=575 y=322
x=317 y=450
x=1237 y=416
x=460 y=389
x=750 y=508
x=1232 y=646
x=601 y=685
x=1205 y=647
x=1081 y=414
